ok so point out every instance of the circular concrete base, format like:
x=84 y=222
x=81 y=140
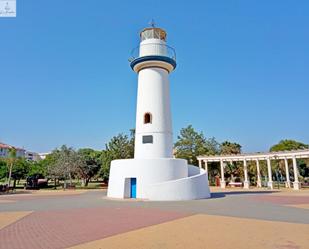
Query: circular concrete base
x=157 y=179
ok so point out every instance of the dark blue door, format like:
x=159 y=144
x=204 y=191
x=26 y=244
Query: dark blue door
x=133 y=187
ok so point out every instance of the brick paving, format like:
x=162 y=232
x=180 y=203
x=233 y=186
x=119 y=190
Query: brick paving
x=209 y=232
x=61 y=221
x=64 y=228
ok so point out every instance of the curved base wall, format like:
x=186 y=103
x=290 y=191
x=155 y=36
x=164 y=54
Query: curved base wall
x=158 y=179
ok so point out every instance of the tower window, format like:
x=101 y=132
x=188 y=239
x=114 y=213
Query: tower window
x=147 y=118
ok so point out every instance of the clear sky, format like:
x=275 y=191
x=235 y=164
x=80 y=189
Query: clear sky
x=242 y=74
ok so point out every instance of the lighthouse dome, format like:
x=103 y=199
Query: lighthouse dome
x=153 y=33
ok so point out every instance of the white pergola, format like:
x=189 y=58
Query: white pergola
x=257 y=157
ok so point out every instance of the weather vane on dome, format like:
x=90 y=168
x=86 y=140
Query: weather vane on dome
x=152 y=23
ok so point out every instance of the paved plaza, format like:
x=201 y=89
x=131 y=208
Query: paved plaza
x=88 y=219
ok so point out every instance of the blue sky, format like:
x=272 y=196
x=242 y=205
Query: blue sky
x=242 y=74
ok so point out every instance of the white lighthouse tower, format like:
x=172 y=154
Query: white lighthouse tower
x=153 y=173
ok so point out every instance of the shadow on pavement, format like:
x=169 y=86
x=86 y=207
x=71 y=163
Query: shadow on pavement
x=224 y=194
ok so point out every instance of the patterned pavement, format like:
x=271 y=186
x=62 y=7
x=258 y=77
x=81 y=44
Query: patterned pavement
x=87 y=219
x=291 y=200
x=205 y=231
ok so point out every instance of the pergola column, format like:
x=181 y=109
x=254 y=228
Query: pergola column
x=296 y=183
x=270 y=177
x=232 y=179
x=206 y=169
x=206 y=166
x=287 y=174
x=246 y=182
x=222 y=183
x=200 y=163
x=258 y=182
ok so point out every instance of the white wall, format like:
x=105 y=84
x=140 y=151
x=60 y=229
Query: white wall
x=146 y=172
x=189 y=188
x=153 y=97
x=152 y=47
x=158 y=179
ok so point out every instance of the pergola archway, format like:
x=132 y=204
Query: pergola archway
x=257 y=157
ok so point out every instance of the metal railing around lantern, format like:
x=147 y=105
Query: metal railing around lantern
x=152 y=49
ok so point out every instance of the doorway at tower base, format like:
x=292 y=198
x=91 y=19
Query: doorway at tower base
x=164 y=179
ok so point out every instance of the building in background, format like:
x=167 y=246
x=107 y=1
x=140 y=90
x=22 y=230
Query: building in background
x=20 y=152
x=43 y=155
x=5 y=149
x=32 y=156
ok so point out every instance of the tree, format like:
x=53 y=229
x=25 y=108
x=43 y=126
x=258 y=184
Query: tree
x=191 y=144
x=10 y=163
x=228 y=148
x=119 y=147
x=20 y=170
x=50 y=165
x=212 y=146
x=106 y=159
x=65 y=162
x=288 y=144
x=91 y=165
x=3 y=169
x=232 y=169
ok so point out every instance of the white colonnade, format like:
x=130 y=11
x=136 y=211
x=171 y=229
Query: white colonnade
x=257 y=157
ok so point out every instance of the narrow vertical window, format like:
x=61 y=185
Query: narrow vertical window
x=147 y=118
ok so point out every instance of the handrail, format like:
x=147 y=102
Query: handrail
x=152 y=49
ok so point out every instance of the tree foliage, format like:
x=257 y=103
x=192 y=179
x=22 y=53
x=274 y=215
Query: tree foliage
x=232 y=169
x=20 y=169
x=288 y=144
x=10 y=163
x=191 y=144
x=66 y=163
x=37 y=168
x=90 y=166
x=119 y=147
x=228 y=148
x=3 y=169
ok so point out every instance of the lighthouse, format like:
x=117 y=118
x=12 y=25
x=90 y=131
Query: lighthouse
x=153 y=173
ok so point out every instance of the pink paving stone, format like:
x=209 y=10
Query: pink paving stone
x=65 y=228
x=284 y=200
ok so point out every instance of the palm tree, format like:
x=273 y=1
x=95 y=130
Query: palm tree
x=232 y=169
